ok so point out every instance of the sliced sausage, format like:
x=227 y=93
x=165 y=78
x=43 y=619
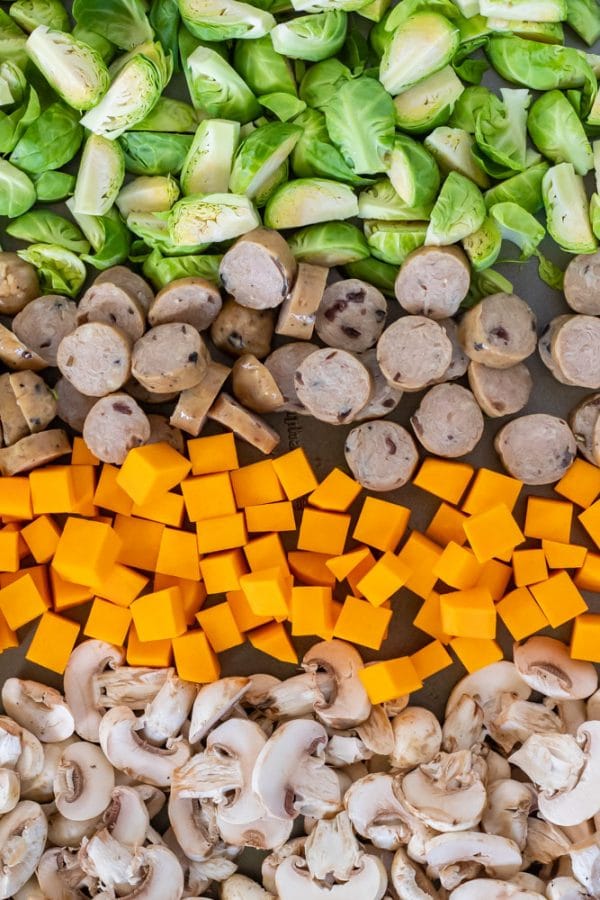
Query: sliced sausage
x=19 y=283
x=333 y=385
x=545 y=348
x=500 y=392
x=248 y=426
x=139 y=393
x=583 y=419
x=193 y=405
x=351 y=315
x=460 y=361
x=499 y=332
x=448 y=421
x=282 y=364
x=259 y=270
x=111 y=303
x=433 y=281
x=414 y=352
x=71 y=405
x=130 y=281
x=254 y=386
x=383 y=397
x=14 y=424
x=163 y=433
x=238 y=330
x=536 y=449
x=169 y=357
x=16 y=355
x=194 y=301
x=33 y=451
x=44 y=322
x=381 y=455
x=298 y=313
x=34 y=398
x=582 y=283
x=95 y=358
x=114 y=425
x=575 y=348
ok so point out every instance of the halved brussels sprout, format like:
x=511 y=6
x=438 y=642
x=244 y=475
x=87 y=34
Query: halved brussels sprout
x=501 y=129
x=452 y=148
x=483 y=246
x=525 y=10
x=380 y=274
x=313 y=37
x=413 y=172
x=391 y=242
x=593 y=117
x=280 y=176
x=224 y=20
x=260 y=155
x=322 y=82
x=429 y=103
x=169 y=115
x=148 y=193
x=123 y=22
x=329 y=244
x=97 y=42
x=129 y=99
x=207 y=166
x=325 y=5
x=382 y=201
x=458 y=211
x=60 y=271
x=567 y=213
x=153 y=229
x=315 y=155
x=546 y=32
x=375 y=10
x=518 y=226
x=524 y=189
x=471 y=101
x=361 y=125
x=284 y=106
x=211 y=219
x=557 y=132
x=263 y=69
x=154 y=153
x=584 y=18
x=307 y=201
x=217 y=89
x=31 y=13
x=100 y=176
x=17 y=192
x=53 y=186
x=12 y=41
x=421 y=45
x=161 y=270
x=75 y=71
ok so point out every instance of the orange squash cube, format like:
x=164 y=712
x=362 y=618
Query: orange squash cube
x=590 y=519
x=265 y=552
x=521 y=614
x=295 y=473
x=193 y=593
x=53 y=642
x=549 y=519
x=107 y=622
x=489 y=488
x=564 y=556
x=21 y=602
x=52 y=490
x=219 y=626
x=147 y=653
x=356 y=575
x=323 y=532
x=40 y=579
x=580 y=484
x=15 y=498
x=470 y=613
x=587 y=578
x=208 y=496
x=361 y=623
x=109 y=495
x=273 y=640
x=381 y=524
x=121 y=585
x=84 y=486
x=81 y=455
x=476 y=653
x=195 y=660
x=311 y=611
x=447 y=525
x=529 y=566
x=152 y=470
x=310 y=568
x=86 y=550
x=221 y=572
x=8 y=638
x=268 y=592
x=9 y=551
x=493 y=532
x=341 y=566
x=390 y=679
x=559 y=599
x=242 y=613
x=494 y=577
x=216 y=453
x=159 y=615
x=167 y=508
x=457 y=567
x=430 y=660
x=257 y=484
x=178 y=555
x=221 y=533
x=66 y=594
x=585 y=639
x=386 y=577
x=444 y=478
x=420 y=555
x=140 y=542
x=429 y=618
x=336 y=493
x=271 y=517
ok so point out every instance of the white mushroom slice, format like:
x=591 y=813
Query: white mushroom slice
x=31 y=891
x=162 y=874
x=585 y=862
x=500 y=856
x=40 y=709
x=10 y=742
x=298 y=695
x=509 y=804
x=112 y=863
x=259 y=688
x=128 y=686
x=593 y=706
x=265 y=833
x=345 y=749
x=493 y=889
x=565 y=888
x=167 y=711
x=376 y=812
x=376 y=732
x=194 y=826
x=23 y=833
x=239 y=887
x=510 y=720
x=290 y=776
x=60 y=876
x=350 y=705
x=552 y=761
x=331 y=850
x=63 y=832
x=127 y=817
x=417 y=737
x=463 y=727
x=545 y=842
x=546 y=665
x=270 y=864
x=368 y=882
x=194 y=881
x=497 y=766
x=152 y=796
x=84 y=781
x=10 y=788
x=41 y=787
x=129 y=753
x=448 y=793
x=583 y=800
x=213 y=702
x=572 y=713
x=85 y=661
x=486 y=683
x=393 y=707
x=409 y=881
x=529 y=882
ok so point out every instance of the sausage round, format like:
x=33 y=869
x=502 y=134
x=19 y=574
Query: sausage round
x=194 y=301
x=414 y=352
x=381 y=455
x=112 y=304
x=545 y=348
x=499 y=332
x=169 y=357
x=19 y=283
x=448 y=421
x=162 y=432
x=433 y=281
x=500 y=392
x=34 y=398
x=536 y=449
x=351 y=315
x=129 y=281
x=12 y=420
x=333 y=385
x=193 y=405
x=17 y=355
x=139 y=393
x=238 y=330
x=95 y=358
x=114 y=425
x=282 y=364
x=71 y=405
x=254 y=386
x=34 y=451
x=582 y=283
x=383 y=398
x=44 y=322
x=583 y=419
x=460 y=361
x=575 y=348
x=259 y=269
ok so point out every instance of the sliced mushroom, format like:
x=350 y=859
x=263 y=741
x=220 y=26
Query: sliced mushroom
x=583 y=800
x=152 y=796
x=259 y=688
x=40 y=709
x=417 y=737
x=60 y=875
x=344 y=750
x=486 y=683
x=331 y=850
x=350 y=704
x=31 y=891
x=194 y=827
x=126 y=817
x=448 y=793
x=85 y=661
x=167 y=711
x=63 y=832
x=585 y=862
x=239 y=887
x=546 y=665
x=497 y=766
x=463 y=727
x=10 y=743
x=294 y=882
x=298 y=695
x=509 y=803
x=446 y=854
x=376 y=812
x=510 y=720
x=213 y=702
x=265 y=833
x=114 y=864
x=10 y=789
x=270 y=864
x=84 y=781
x=552 y=761
x=132 y=686
x=23 y=833
x=493 y=889
x=162 y=875
x=41 y=787
x=572 y=713
x=376 y=732
x=409 y=881
x=545 y=842
x=565 y=888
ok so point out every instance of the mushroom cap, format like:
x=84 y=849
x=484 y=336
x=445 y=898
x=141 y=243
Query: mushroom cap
x=259 y=689
x=552 y=761
x=132 y=686
x=10 y=789
x=484 y=684
x=509 y=804
x=265 y=833
x=545 y=664
x=376 y=813
x=493 y=889
x=63 y=832
x=23 y=833
x=163 y=879
x=213 y=702
x=165 y=714
x=417 y=737
x=350 y=704
x=85 y=660
x=463 y=726
x=59 y=874
x=126 y=817
x=192 y=827
x=332 y=850
x=41 y=788
x=294 y=882
x=21 y=750
x=583 y=800
x=499 y=855
x=83 y=782
x=376 y=732
x=410 y=882
x=447 y=793
x=40 y=709
x=565 y=888
x=296 y=696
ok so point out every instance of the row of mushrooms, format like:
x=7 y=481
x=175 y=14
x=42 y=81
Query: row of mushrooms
x=136 y=784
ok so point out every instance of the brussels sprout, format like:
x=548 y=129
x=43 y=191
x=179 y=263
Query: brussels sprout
x=483 y=284
x=49 y=142
x=161 y=270
x=375 y=10
x=59 y=270
x=324 y=5
x=501 y=129
x=12 y=41
x=285 y=107
x=595 y=214
x=113 y=246
x=217 y=89
x=524 y=189
x=452 y=148
x=584 y=18
x=263 y=69
x=594 y=113
x=224 y=20
x=523 y=10
x=307 y=201
x=100 y=176
x=169 y=115
x=356 y=53
x=547 y=32
x=399 y=14
x=165 y=20
x=381 y=201
x=466 y=66
x=6 y=97
x=129 y=99
x=315 y=155
x=420 y=46
x=429 y=103
x=148 y=193
x=207 y=166
x=483 y=246
x=260 y=155
x=329 y=244
x=376 y=272
x=103 y=47
x=468 y=8
x=280 y=176
x=17 y=193
x=211 y=218
x=558 y=133
x=361 y=125
x=150 y=50
x=469 y=104
x=566 y=205
x=31 y=13
x=122 y=22
x=154 y=153
x=75 y=71
x=413 y=172
x=391 y=242
x=23 y=112
x=53 y=186
x=313 y=37
x=153 y=229
x=518 y=226
x=458 y=211
x=42 y=226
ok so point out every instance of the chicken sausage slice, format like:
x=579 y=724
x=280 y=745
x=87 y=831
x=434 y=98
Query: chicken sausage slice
x=536 y=449
x=129 y=281
x=16 y=355
x=333 y=385
x=383 y=397
x=114 y=425
x=433 y=281
x=583 y=419
x=254 y=386
x=71 y=405
x=500 y=392
x=582 y=283
x=460 y=361
x=545 y=348
x=163 y=433
x=34 y=398
x=44 y=322
x=34 y=451
x=248 y=426
x=414 y=352
x=14 y=424
x=95 y=358
x=194 y=301
x=19 y=283
x=575 y=348
x=114 y=305
x=282 y=364
x=351 y=315
x=381 y=455
x=448 y=421
x=259 y=270
x=298 y=312
x=238 y=330
x=192 y=408
x=499 y=332
x=169 y=357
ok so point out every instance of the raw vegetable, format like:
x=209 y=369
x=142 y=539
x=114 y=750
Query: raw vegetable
x=567 y=216
x=123 y=22
x=211 y=218
x=53 y=186
x=413 y=172
x=223 y=20
x=50 y=142
x=420 y=46
x=260 y=155
x=557 y=132
x=60 y=270
x=17 y=192
x=31 y=13
x=46 y=227
x=361 y=125
x=207 y=165
x=263 y=69
x=518 y=226
x=100 y=176
x=217 y=89
x=458 y=211
x=313 y=37
x=147 y=194
x=315 y=154
x=307 y=201
x=329 y=244
x=382 y=201
x=391 y=242
x=483 y=246
x=74 y=69
x=154 y=153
